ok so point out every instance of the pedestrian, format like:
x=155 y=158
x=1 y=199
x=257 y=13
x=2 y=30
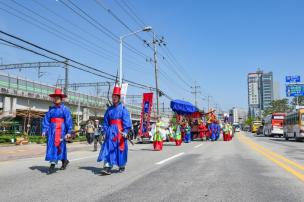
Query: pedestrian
x=158 y=138
x=90 y=128
x=202 y=130
x=213 y=130
x=136 y=129
x=218 y=130
x=57 y=126
x=116 y=125
x=230 y=132
x=97 y=134
x=226 y=131
x=178 y=136
x=170 y=133
x=187 y=137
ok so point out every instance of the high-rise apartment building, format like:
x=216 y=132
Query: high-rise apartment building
x=260 y=92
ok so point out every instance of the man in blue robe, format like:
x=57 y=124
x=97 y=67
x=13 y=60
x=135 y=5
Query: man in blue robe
x=218 y=131
x=213 y=128
x=57 y=127
x=116 y=125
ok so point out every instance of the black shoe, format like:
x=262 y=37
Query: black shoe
x=64 y=164
x=106 y=171
x=122 y=169
x=51 y=169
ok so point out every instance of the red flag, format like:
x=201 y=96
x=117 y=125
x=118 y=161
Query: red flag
x=145 y=114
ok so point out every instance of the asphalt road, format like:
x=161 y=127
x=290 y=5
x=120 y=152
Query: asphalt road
x=249 y=168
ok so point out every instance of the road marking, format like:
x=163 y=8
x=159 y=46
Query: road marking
x=197 y=146
x=293 y=163
x=88 y=157
x=168 y=159
x=274 y=158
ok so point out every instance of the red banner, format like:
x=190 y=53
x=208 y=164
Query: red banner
x=145 y=114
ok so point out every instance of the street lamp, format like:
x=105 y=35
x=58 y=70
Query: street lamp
x=145 y=29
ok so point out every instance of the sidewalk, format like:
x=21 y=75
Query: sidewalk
x=8 y=153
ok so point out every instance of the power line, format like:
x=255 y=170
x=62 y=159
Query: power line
x=135 y=84
x=129 y=7
x=100 y=27
x=46 y=28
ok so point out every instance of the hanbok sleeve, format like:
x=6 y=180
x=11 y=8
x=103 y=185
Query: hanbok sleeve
x=68 y=120
x=126 y=120
x=46 y=122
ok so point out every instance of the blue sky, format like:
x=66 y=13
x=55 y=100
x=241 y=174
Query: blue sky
x=216 y=42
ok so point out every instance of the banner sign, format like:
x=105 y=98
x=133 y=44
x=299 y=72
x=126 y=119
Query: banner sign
x=145 y=114
x=124 y=88
x=293 y=79
x=294 y=90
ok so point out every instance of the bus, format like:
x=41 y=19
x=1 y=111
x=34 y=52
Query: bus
x=273 y=124
x=255 y=126
x=294 y=125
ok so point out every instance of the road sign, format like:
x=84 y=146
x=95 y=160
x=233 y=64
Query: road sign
x=293 y=79
x=294 y=90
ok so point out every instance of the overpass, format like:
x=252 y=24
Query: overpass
x=19 y=95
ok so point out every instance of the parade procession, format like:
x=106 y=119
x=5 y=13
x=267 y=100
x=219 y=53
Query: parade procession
x=187 y=125
x=151 y=101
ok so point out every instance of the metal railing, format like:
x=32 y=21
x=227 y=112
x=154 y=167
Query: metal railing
x=26 y=88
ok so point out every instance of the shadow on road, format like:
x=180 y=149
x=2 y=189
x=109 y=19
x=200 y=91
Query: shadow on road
x=94 y=170
x=168 y=144
x=42 y=169
x=147 y=149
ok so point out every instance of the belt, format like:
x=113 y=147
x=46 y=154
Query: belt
x=57 y=120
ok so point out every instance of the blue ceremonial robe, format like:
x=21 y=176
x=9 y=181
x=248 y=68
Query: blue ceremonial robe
x=213 y=128
x=114 y=150
x=187 y=137
x=56 y=124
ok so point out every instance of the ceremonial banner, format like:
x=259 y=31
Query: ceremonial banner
x=124 y=88
x=145 y=114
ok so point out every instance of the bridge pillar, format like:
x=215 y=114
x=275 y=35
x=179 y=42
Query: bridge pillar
x=9 y=106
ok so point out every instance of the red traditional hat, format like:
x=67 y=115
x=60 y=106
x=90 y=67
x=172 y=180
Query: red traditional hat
x=117 y=90
x=58 y=93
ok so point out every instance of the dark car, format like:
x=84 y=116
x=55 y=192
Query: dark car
x=260 y=131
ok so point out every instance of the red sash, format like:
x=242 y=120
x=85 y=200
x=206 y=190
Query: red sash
x=119 y=137
x=58 y=130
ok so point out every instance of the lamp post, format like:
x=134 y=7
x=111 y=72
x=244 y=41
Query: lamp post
x=145 y=29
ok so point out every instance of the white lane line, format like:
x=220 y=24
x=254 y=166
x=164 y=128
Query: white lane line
x=197 y=146
x=88 y=157
x=168 y=159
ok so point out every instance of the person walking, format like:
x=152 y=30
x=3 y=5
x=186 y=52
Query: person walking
x=57 y=127
x=90 y=131
x=116 y=125
x=97 y=134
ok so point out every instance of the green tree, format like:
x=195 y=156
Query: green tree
x=277 y=106
x=299 y=100
x=249 y=121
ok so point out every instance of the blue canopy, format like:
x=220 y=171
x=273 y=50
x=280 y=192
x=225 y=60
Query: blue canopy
x=182 y=107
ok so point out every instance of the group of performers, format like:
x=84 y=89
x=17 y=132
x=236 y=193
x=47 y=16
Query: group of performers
x=58 y=125
x=186 y=131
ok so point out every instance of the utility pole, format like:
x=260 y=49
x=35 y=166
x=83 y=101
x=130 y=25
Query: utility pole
x=208 y=101
x=156 y=72
x=195 y=92
x=66 y=78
